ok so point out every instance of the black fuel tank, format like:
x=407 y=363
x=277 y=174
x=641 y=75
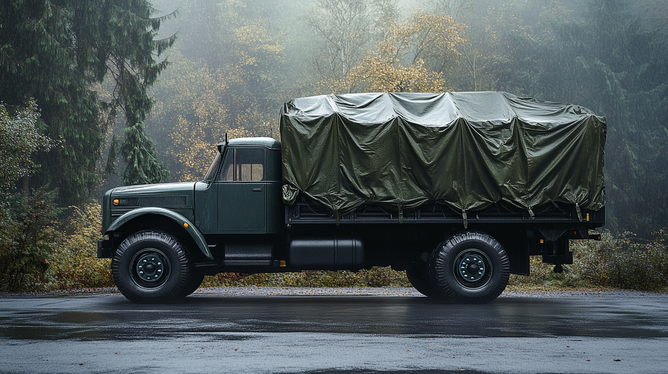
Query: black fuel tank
x=326 y=254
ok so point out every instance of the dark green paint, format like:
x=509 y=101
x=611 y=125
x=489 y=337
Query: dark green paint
x=210 y=207
x=242 y=208
x=174 y=216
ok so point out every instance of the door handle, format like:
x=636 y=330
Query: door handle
x=257 y=189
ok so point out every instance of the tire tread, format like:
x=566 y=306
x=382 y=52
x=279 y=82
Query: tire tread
x=443 y=281
x=172 y=288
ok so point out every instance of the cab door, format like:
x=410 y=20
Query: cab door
x=242 y=192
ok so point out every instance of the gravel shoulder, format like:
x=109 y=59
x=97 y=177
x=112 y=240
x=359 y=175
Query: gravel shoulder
x=255 y=291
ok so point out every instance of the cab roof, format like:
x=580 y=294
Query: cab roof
x=270 y=143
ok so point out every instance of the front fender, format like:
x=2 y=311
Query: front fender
x=182 y=221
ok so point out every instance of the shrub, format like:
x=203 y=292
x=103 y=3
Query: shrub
x=385 y=277
x=74 y=263
x=19 y=140
x=27 y=236
x=624 y=262
x=542 y=276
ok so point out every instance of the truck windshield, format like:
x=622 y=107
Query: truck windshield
x=211 y=173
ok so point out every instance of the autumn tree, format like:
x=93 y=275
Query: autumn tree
x=255 y=55
x=232 y=88
x=345 y=30
x=491 y=27
x=343 y=27
x=201 y=31
x=409 y=57
x=191 y=115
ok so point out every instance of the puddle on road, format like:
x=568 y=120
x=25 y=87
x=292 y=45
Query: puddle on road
x=235 y=318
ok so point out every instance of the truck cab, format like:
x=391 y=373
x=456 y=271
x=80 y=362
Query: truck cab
x=241 y=192
x=230 y=219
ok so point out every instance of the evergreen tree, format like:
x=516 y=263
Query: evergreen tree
x=609 y=63
x=56 y=51
x=38 y=59
x=132 y=65
x=140 y=157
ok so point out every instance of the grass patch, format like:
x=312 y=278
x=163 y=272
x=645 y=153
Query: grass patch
x=374 y=277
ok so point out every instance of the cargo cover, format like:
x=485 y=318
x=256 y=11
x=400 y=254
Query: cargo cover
x=465 y=150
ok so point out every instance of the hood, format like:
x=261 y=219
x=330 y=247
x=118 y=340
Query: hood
x=154 y=195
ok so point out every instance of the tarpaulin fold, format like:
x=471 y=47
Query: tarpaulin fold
x=466 y=150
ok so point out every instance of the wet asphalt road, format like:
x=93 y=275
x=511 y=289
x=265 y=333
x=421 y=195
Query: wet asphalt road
x=336 y=331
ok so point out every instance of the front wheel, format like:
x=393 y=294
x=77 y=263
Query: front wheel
x=469 y=267
x=151 y=266
x=193 y=284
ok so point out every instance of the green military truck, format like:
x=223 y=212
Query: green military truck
x=457 y=189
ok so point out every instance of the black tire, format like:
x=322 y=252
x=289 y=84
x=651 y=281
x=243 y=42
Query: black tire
x=469 y=267
x=193 y=284
x=418 y=275
x=151 y=267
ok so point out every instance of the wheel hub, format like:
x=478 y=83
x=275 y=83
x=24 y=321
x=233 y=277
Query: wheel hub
x=150 y=267
x=472 y=267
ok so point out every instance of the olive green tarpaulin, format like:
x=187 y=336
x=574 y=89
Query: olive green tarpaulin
x=464 y=150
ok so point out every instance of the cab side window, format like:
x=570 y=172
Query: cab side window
x=243 y=165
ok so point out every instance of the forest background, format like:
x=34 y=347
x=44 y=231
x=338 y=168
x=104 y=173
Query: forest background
x=101 y=93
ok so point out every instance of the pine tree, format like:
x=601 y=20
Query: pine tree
x=56 y=51
x=132 y=65
x=37 y=57
x=140 y=157
x=610 y=63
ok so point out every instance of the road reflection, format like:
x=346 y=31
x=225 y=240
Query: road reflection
x=112 y=317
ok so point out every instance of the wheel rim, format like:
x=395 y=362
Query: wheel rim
x=473 y=268
x=150 y=268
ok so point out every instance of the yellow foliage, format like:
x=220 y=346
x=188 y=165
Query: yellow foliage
x=398 y=64
x=256 y=37
x=381 y=74
x=74 y=263
x=191 y=149
x=197 y=104
x=192 y=114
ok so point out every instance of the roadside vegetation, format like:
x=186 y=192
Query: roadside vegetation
x=43 y=254
x=622 y=262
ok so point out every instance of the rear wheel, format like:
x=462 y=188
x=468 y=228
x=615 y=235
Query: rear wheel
x=151 y=266
x=418 y=275
x=469 y=267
